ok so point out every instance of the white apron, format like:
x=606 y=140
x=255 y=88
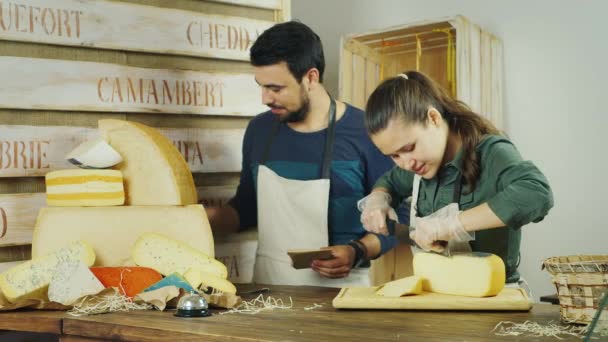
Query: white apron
x=293 y=214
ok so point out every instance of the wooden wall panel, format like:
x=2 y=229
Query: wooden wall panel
x=129 y=27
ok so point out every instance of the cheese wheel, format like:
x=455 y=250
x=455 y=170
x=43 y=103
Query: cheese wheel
x=154 y=171
x=472 y=275
x=112 y=231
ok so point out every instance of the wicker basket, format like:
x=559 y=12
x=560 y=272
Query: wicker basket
x=581 y=282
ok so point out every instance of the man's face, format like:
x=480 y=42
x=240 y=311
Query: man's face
x=286 y=97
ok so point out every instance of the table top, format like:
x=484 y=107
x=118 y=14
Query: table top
x=304 y=321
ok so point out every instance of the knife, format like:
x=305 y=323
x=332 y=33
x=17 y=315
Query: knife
x=402 y=233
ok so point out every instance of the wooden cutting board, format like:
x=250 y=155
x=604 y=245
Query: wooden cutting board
x=365 y=298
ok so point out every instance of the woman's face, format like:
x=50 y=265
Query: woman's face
x=415 y=147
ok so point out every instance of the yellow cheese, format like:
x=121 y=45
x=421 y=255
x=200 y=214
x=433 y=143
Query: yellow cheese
x=196 y=277
x=112 y=231
x=84 y=188
x=168 y=255
x=155 y=172
x=401 y=287
x=32 y=278
x=476 y=275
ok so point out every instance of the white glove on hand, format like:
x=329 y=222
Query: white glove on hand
x=374 y=209
x=442 y=225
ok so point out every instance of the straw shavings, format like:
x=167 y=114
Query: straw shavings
x=260 y=304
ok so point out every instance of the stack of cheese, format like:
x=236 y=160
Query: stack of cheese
x=143 y=212
x=470 y=275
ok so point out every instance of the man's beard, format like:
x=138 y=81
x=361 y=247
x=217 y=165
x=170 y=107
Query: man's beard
x=300 y=114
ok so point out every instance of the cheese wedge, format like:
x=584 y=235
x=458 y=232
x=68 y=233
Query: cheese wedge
x=71 y=281
x=84 y=188
x=475 y=275
x=155 y=172
x=32 y=278
x=168 y=255
x=405 y=286
x=198 y=278
x=174 y=279
x=130 y=281
x=94 y=154
x=112 y=231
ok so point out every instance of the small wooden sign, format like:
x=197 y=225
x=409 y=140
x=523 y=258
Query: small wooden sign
x=34 y=83
x=131 y=27
x=18 y=212
x=32 y=151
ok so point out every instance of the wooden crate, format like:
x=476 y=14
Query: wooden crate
x=118 y=36
x=463 y=58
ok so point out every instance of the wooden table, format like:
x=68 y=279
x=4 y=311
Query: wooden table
x=296 y=324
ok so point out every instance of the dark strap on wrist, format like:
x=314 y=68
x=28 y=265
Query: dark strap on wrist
x=360 y=252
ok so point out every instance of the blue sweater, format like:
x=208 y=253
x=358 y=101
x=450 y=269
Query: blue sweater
x=355 y=167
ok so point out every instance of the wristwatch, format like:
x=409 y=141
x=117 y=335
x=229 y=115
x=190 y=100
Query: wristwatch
x=360 y=252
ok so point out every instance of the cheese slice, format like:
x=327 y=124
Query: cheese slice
x=32 y=278
x=94 y=154
x=112 y=231
x=155 y=172
x=197 y=277
x=405 y=286
x=84 y=188
x=168 y=255
x=71 y=281
x=474 y=275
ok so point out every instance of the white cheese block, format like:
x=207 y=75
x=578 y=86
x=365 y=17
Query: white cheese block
x=154 y=171
x=94 y=154
x=112 y=231
x=411 y=285
x=168 y=255
x=32 y=278
x=71 y=281
x=84 y=188
x=197 y=277
x=474 y=275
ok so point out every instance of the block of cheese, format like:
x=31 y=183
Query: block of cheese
x=474 y=275
x=112 y=231
x=130 y=281
x=155 y=172
x=174 y=279
x=94 y=154
x=168 y=255
x=32 y=278
x=84 y=188
x=411 y=285
x=71 y=281
x=197 y=278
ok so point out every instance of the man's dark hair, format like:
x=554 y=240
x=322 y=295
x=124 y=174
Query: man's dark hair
x=291 y=42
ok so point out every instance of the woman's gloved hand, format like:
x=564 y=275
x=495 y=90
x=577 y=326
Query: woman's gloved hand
x=442 y=225
x=375 y=208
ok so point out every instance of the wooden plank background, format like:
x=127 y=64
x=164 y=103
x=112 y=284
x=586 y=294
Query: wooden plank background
x=16 y=188
x=129 y=27
x=29 y=151
x=90 y=86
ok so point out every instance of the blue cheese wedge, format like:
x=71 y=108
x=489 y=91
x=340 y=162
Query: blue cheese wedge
x=32 y=278
x=71 y=281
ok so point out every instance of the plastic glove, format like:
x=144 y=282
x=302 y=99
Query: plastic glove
x=374 y=208
x=442 y=225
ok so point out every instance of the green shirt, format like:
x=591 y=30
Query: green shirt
x=515 y=190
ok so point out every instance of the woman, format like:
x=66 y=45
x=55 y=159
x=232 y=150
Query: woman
x=469 y=184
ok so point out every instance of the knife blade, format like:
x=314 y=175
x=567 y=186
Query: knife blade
x=402 y=233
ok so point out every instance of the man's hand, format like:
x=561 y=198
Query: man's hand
x=339 y=266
